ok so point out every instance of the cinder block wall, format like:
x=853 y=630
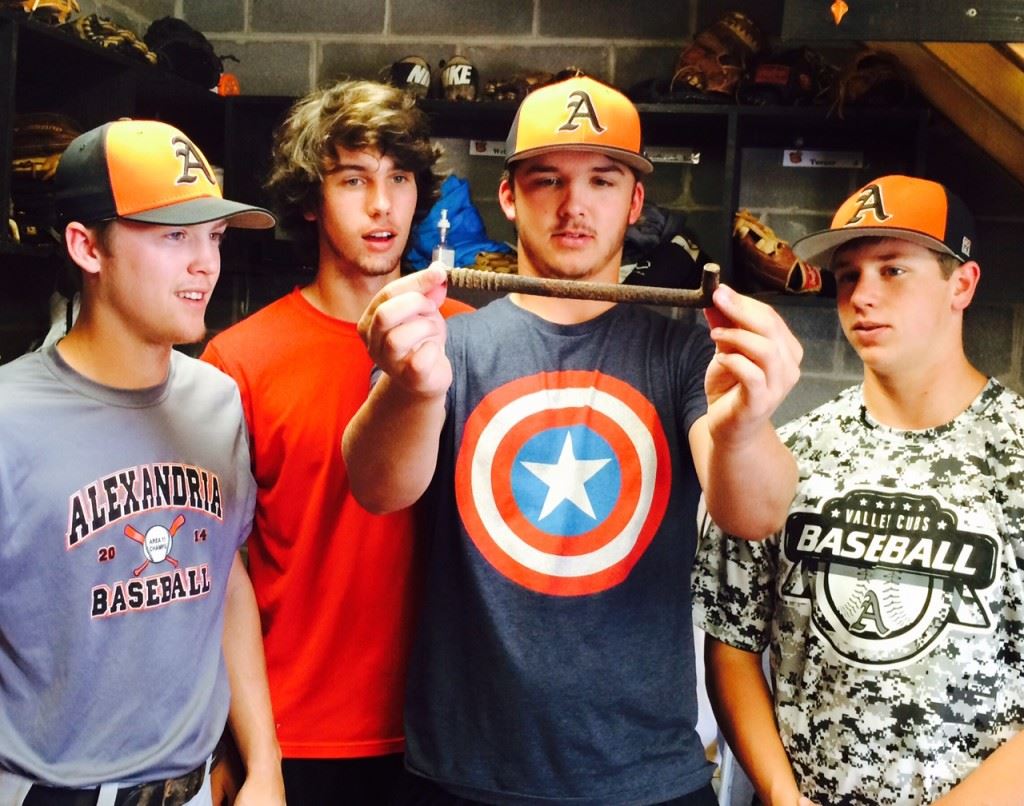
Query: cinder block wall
x=286 y=48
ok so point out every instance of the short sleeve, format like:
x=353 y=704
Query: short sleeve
x=734 y=588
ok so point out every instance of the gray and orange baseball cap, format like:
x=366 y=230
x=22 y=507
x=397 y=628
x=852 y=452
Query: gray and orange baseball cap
x=917 y=210
x=578 y=114
x=145 y=171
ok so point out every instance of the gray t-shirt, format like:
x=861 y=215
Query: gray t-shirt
x=120 y=514
x=892 y=603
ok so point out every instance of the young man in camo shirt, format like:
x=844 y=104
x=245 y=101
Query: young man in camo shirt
x=892 y=602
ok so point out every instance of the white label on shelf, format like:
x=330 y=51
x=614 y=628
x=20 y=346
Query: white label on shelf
x=679 y=156
x=799 y=158
x=487 y=148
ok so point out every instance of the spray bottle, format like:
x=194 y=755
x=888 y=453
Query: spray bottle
x=443 y=253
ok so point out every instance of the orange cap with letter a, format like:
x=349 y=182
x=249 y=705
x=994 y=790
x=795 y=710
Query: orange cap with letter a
x=146 y=171
x=578 y=114
x=917 y=210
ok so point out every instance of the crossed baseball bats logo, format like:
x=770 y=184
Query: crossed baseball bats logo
x=156 y=543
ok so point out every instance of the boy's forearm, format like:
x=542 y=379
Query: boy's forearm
x=743 y=707
x=390 y=446
x=751 y=485
x=250 y=715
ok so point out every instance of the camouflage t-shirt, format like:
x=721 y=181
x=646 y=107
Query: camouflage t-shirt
x=892 y=603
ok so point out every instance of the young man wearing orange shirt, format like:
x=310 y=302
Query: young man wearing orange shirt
x=353 y=168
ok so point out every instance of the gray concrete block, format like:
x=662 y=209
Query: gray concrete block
x=848 y=358
x=483 y=174
x=707 y=179
x=815 y=325
x=268 y=68
x=998 y=252
x=123 y=14
x=503 y=61
x=372 y=60
x=706 y=225
x=767 y=183
x=810 y=392
x=212 y=16
x=635 y=65
x=666 y=187
x=983 y=184
x=318 y=17
x=475 y=18
x=610 y=19
x=146 y=9
x=988 y=338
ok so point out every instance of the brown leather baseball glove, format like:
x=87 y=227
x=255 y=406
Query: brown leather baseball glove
x=39 y=138
x=763 y=257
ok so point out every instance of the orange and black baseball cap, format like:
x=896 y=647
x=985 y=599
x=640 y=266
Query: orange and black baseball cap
x=906 y=207
x=578 y=114
x=146 y=171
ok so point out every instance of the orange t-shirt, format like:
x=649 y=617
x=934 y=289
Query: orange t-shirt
x=336 y=585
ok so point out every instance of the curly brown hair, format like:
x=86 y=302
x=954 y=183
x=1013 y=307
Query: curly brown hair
x=354 y=115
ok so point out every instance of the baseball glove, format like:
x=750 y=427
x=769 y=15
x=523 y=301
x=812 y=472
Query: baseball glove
x=795 y=77
x=48 y=12
x=38 y=140
x=719 y=57
x=763 y=257
x=108 y=34
x=871 y=78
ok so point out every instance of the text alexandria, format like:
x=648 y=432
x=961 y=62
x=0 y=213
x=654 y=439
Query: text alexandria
x=140 y=489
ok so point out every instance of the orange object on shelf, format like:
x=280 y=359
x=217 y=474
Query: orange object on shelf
x=228 y=85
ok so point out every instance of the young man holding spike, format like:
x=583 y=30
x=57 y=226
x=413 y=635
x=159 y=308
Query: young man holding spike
x=560 y=446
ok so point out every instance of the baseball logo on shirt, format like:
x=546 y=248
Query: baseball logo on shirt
x=887 y=574
x=562 y=480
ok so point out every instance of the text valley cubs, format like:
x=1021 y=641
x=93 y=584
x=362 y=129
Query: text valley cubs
x=887 y=574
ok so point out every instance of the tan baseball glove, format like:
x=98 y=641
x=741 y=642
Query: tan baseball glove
x=762 y=256
x=39 y=139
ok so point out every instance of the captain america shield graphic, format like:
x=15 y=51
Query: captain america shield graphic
x=562 y=480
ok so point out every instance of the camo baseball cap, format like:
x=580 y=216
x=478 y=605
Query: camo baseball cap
x=917 y=210
x=578 y=114
x=146 y=171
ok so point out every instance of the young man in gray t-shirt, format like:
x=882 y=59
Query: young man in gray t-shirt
x=125 y=494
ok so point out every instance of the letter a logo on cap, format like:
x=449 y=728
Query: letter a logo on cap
x=581 y=107
x=191 y=159
x=870 y=200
